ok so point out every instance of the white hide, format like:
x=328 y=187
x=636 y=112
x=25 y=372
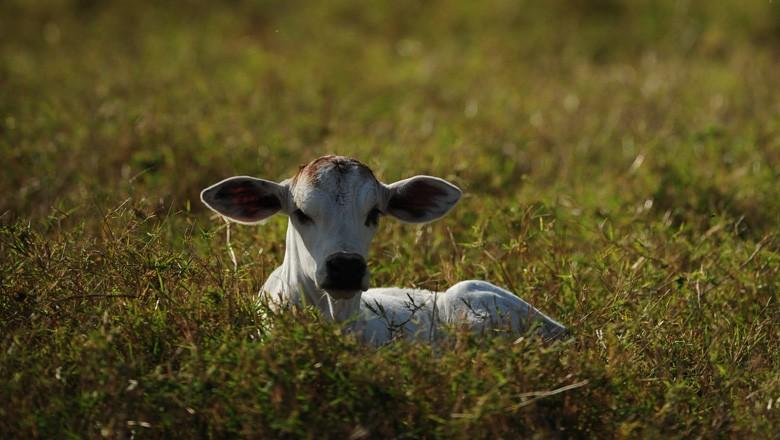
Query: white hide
x=330 y=203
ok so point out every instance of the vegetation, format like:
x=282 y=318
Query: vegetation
x=620 y=161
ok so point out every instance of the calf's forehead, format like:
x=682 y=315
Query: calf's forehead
x=334 y=182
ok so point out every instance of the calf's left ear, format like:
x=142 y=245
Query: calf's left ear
x=421 y=199
x=245 y=199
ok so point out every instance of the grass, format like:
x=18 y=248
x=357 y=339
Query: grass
x=620 y=162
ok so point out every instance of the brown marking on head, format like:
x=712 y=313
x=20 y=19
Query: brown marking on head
x=341 y=164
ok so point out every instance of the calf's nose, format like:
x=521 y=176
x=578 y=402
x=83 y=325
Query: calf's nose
x=345 y=271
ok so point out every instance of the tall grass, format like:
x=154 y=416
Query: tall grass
x=620 y=164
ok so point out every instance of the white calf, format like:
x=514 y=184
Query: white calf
x=334 y=204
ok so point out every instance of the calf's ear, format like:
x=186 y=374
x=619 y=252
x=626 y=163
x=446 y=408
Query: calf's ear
x=245 y=199
x=421 y=199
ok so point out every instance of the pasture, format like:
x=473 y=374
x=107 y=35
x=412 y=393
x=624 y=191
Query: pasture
x=619 y=162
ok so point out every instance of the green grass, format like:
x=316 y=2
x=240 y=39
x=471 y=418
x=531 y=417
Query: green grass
x=620 y=162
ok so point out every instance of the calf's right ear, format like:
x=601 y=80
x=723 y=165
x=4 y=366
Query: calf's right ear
x=421 y=199
x=245 y=199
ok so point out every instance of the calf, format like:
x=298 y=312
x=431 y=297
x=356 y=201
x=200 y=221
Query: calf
x=334 y=205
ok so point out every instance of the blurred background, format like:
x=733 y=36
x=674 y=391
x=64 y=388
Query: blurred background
x=607 y=102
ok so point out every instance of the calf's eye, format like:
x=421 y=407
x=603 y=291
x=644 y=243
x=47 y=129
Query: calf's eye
x=301 y=217
x=372 y=219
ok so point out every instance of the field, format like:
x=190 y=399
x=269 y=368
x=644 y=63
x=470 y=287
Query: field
x=620 y=162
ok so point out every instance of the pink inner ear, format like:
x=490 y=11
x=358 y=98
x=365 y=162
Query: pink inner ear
x=243 y=200
x=417 y=198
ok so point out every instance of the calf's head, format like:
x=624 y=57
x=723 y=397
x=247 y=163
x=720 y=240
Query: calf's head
x=334 y=204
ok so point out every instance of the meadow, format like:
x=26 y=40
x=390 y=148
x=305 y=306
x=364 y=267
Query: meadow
x=620 y=162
